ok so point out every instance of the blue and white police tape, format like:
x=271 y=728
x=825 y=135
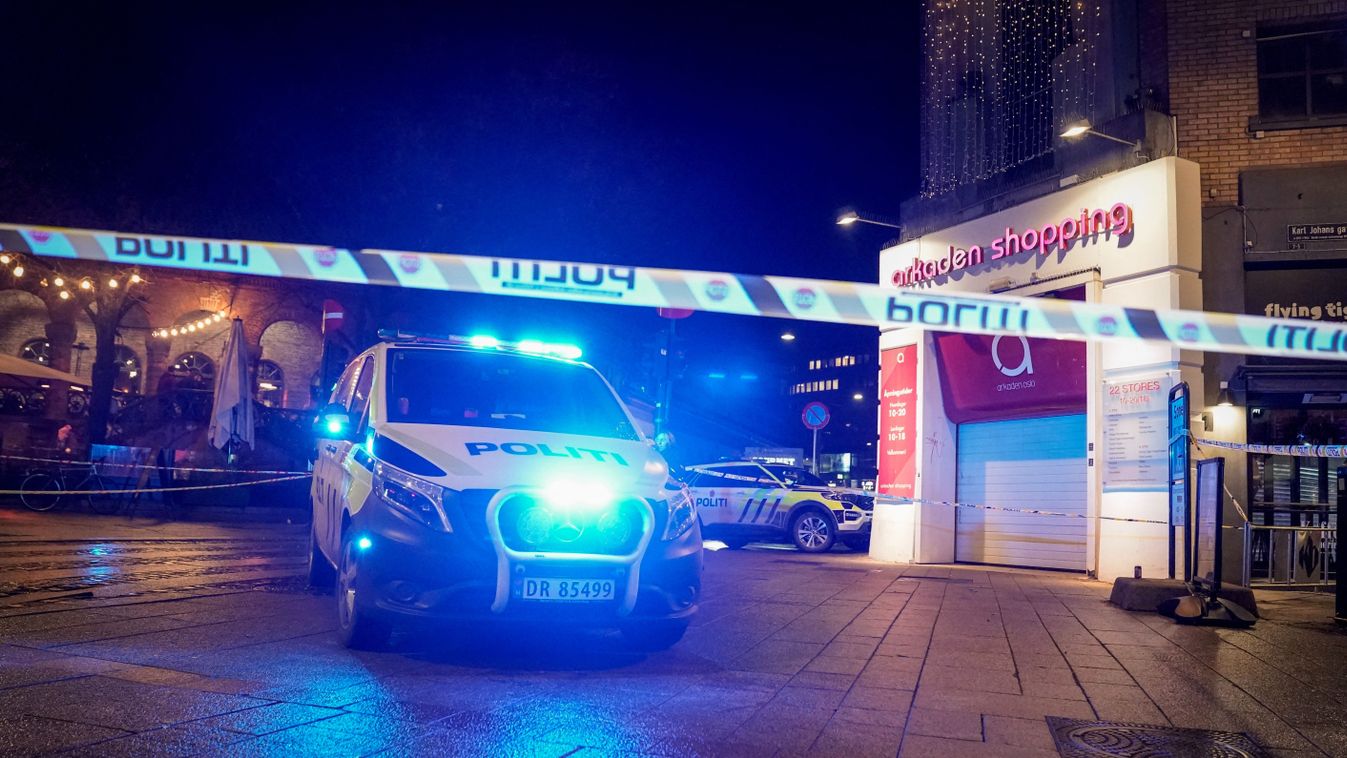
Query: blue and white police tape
x=898 y=500
x=104 y=465
x=1298 y=451
x=146 y=490
x=775 y=296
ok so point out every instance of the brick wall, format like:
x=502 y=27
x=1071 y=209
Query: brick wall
x=281 y=323
x=1213 y=90
x=297 y=348
x=23 y=317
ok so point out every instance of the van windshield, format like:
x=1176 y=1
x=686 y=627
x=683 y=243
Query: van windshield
x=502 y=391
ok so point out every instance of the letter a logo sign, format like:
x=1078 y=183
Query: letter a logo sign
x=1026 y=362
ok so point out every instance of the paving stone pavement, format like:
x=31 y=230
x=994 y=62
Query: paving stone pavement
x=791 y=655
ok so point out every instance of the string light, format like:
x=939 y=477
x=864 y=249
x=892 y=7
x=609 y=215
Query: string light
x=191 y=327
x=1000 y=79
x=59 y=281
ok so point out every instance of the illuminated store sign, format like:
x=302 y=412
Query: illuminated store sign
x=1114 y=222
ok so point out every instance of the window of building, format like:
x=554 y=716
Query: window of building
x=270 y=389
x=1302 y=71
x=197 y=367
x=129 y=372
x=37 y=351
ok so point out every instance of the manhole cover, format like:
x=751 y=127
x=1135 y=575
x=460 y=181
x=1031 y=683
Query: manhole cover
x=1089 y=739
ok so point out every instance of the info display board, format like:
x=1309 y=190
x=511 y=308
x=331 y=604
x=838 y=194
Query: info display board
x=1207 y=519
x=1136 y=434
x=898 y=421
x=1179 y=449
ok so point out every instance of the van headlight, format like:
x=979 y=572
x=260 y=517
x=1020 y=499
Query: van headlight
x=682 y=513
x=422 y=501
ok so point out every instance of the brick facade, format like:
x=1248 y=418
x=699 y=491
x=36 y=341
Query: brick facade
x=281 y=320
x=1213 y=92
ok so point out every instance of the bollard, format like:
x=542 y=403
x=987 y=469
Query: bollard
x=1341 y=606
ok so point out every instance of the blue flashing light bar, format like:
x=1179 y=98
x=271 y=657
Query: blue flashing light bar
x=485 y=342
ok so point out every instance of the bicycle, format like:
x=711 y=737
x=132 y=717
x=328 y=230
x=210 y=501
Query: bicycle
x=43 y=490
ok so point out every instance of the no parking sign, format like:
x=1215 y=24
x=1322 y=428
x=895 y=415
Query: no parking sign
x=816 y=416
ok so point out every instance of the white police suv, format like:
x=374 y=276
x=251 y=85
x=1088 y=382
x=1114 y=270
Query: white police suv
x=467 y=478
x=744 y=501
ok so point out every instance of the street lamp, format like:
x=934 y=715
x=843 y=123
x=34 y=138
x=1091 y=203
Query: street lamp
x=851 y=217
x=1081 y=128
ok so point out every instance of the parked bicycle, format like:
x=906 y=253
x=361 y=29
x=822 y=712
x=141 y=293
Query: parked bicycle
x=44 y=489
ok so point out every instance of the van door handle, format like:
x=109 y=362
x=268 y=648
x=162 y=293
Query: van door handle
x=330 y=448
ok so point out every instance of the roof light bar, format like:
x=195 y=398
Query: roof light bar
x=485 y=342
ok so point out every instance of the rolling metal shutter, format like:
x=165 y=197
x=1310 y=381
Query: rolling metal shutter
x=1026 y=463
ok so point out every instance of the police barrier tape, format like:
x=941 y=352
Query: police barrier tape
x=143 y=490
x=899 y=500
x=106 y=465
x=1299 y=451
x=775 y=296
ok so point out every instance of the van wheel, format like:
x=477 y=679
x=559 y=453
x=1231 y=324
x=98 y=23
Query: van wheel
x=651 y=636
x=321 y=574
x=813 y=531
x=356 y=626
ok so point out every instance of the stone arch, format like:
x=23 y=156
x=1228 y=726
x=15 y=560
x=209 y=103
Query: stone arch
x=26 y=316
x=209 y=340
x=133 y=340
x=297 y=348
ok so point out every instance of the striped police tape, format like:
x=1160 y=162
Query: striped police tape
x=1298 y=451
x=144 y=490
x=104 y=465
x=774 y=296
x=899 y=500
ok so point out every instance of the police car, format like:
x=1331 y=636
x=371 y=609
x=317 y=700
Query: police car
x=743 y=501
x=468 y=478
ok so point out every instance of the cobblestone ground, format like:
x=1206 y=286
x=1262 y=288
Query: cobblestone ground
x=192 y=639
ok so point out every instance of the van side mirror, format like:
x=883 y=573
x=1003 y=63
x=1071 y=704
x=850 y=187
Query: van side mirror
x=334 y=422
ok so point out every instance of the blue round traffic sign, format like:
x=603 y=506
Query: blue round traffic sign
x=816 y=415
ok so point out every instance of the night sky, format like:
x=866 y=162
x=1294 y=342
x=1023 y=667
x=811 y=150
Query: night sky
x=720 y=136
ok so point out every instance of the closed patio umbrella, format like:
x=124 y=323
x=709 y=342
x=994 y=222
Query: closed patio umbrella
x=232 y=415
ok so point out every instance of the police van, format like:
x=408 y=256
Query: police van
x=744 y=501
x=469 y=478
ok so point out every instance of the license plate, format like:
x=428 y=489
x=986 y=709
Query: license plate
x=568 y=590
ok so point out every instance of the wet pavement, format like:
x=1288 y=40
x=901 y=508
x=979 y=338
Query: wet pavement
x=122 y=638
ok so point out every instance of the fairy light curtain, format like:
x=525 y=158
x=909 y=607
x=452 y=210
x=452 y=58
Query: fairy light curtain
x=1001 y=78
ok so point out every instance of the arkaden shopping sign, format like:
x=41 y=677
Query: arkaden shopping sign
x=1089 y=225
